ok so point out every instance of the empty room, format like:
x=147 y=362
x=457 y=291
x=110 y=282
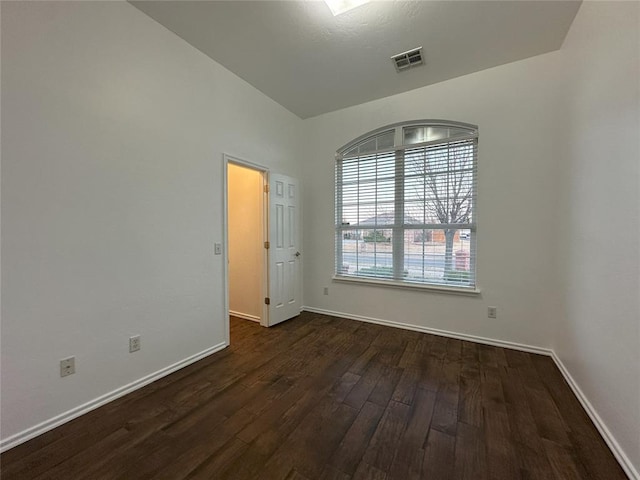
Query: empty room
x=311 y=239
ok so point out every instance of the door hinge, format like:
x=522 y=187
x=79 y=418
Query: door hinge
x=267 y=245
x=266 y=188
x=267 y=301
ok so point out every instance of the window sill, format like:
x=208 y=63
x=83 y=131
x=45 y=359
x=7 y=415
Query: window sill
x=446 y=289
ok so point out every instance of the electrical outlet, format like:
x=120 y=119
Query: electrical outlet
x=67 y=366
x=492 y=312
x=134 y=343
x=326 y=290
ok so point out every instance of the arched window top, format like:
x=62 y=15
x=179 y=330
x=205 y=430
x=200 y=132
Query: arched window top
x=407 y=134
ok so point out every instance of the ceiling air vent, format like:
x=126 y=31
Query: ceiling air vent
x=409 y=59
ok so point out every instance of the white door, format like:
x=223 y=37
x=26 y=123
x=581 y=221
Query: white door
x=284 y=251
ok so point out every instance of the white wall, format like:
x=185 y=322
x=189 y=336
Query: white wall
x=597 y=334
x=515 y=108
x=113 y=133
x=246 y=236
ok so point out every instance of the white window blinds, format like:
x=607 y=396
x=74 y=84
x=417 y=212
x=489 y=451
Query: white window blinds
x=405 y=212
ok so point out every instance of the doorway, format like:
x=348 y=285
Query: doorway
x=262 y=267
x=246 y=235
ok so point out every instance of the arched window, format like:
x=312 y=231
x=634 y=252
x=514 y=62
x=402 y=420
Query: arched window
x=405 y=205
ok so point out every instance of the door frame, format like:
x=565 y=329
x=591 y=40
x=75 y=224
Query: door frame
x=264 y=171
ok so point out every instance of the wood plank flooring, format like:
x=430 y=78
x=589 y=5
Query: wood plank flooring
x=321 y=397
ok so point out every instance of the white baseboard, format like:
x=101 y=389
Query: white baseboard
x=32 y=432
x=434 y=331
x=609 y=439
x=615 y=448
x=244 y=316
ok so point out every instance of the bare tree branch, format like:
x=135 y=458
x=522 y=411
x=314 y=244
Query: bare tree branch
x=452 y=200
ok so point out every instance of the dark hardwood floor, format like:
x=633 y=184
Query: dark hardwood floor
x=320 y=397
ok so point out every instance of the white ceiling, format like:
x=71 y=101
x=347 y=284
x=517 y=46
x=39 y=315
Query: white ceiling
x=311 y=62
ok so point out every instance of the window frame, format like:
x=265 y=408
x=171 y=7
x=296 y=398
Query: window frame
x=399 y=230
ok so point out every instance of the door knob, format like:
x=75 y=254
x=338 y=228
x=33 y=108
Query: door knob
x=297 y=254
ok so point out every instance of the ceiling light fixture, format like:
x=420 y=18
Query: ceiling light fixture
x=340 y=6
